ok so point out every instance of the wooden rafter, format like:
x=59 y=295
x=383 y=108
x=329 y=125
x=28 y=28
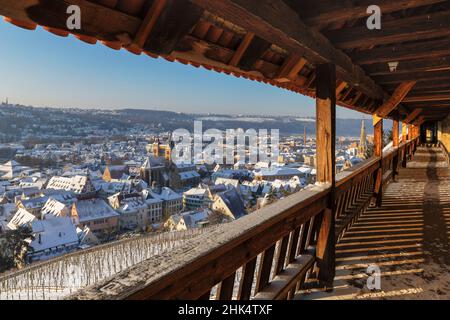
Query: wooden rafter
x=426 y=26
x=325 y=12
x=396 y=98
x=428 y=97
x=340 y=87
x=419 y=121
x=149 y=22
x=428 y=65
x=242 y=48
x=291 y=67
x=403 y=52
x=277 y=23
x=414 y=114
x=166 y=35
x=423 y=76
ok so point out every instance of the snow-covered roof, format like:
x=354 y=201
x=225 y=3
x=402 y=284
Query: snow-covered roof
x=6 y=210
x=94 y=209
x=34 y=203
x=278 y=171
x=54 y=206
x=76 y=183
x=305 y=170
x=152 y=162
x=132 y=204
x=227 y=181
x=21 y=218
x=192 y=218
x=234 y=202
x=167 y=194
x=186 y=175
x=198 y=192
x=53 y=233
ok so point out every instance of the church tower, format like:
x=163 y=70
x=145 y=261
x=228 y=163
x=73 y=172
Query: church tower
x=362 y=147
x=304 y=136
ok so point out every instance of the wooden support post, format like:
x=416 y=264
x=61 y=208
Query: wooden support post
x=408 y=149
x=404 y=140
x=395 y=134
x=378 y=152
x=413 y=145
x=419 y=135
x=395 y=143
x=326 y=167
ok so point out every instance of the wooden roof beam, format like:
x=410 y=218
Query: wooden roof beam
x=177 y=19
x=403 y=52
x=324 y=12
x=99 y=21
x=428 y=65
x=412 y=115
x=147 y=25
x=427 y=97
x=425 y=26
x=397 y=97
x=290 y=68
x=277 y=23
x=442 y=105
x=419 y=121
x=241 y=49
x=420 y=76
x=342 y=85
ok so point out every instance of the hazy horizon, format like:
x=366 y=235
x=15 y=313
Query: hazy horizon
x=13 y=103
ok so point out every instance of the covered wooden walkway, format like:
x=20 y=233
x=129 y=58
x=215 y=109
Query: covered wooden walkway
x=407 y=238
x=322 y=49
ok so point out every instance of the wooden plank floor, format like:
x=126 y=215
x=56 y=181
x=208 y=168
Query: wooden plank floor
x=407 y=238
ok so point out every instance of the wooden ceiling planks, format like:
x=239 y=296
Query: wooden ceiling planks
x=322 y=13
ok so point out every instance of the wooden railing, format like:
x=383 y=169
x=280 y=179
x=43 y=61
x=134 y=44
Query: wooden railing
x=268 y=254
x=445 y=151
x=354 y=191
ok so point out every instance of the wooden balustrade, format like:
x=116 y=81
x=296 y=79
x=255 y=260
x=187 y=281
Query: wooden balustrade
x=268 y=254
x=446 y=152
x=354 y=190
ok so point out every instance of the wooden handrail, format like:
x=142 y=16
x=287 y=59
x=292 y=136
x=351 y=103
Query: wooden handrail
x=344 y=178
x=280 y=237
x=190 y=271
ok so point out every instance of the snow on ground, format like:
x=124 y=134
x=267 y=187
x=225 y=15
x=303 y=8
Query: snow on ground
x=57 y=278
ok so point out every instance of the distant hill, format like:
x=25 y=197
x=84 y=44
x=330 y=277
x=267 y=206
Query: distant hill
x=17 y=122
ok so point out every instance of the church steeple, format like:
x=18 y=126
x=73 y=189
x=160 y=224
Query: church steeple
x=362 y=147
x=304 y=136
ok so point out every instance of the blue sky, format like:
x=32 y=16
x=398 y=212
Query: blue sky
x=40 y=69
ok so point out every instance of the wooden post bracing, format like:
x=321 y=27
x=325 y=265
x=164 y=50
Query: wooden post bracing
x=399 y=94
x=378 y=152
x=326 y=167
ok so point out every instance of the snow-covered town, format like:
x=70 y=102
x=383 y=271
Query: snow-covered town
x=60 y=198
